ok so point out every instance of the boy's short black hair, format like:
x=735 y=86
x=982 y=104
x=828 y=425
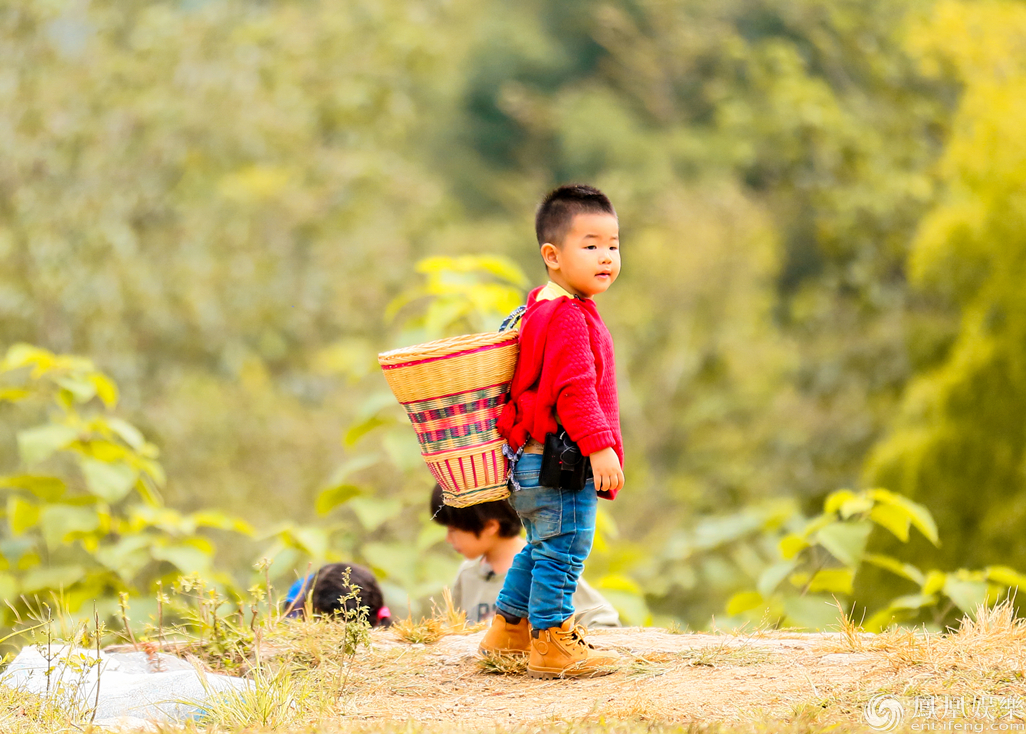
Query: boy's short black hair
x=333 y=593
x=558 y=209
x=473 y=519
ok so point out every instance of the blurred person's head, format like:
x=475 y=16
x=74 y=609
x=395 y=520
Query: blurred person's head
x=473 y=531
x=337 y=588
x=579 y=239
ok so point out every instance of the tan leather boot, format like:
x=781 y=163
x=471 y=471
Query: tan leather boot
x=562 y=652
x=503 y=638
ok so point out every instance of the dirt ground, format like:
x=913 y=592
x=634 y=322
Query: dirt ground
x=666 y=677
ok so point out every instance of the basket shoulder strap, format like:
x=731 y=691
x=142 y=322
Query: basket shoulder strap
x=513 y=320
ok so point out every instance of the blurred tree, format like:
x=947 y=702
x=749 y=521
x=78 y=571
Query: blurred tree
x=959 y=444
x=205 y=196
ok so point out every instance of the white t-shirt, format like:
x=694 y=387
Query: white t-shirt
x=477 y=587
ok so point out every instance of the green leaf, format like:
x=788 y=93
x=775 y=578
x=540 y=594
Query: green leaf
x=791 y=545
x=967 y=595
x=22 y=355
x=913 y=601
x=221 y=521
x=58 y=522
x=905 y=570
x=127 y=432
x=918 y=514
x=21 y=515
x=81 y=389
x=935 y=581
x=857 y=505
x=372 y=512
x=361 y=429
x=845 y=541
x=14 y=394
x=893 y=518
x=770 y=579
x=834 y=500
x=38 y=444
x=714 y=532
x=105 y=388
x=813 y=525
x=744 y=601
x=332 y=497
x=837 y=580
x=128 y=556
x=1005 y=576
x=811 y=612
x=52 y=578
x=111 y=482
x=312 y=541
x=45 y=488
x=352 y=466
x=186 y=557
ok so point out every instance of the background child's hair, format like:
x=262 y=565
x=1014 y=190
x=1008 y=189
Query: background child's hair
x=558 y=209
x=330 y=587
x=472 y=519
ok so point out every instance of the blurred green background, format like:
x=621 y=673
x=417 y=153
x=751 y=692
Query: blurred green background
x=230 y=206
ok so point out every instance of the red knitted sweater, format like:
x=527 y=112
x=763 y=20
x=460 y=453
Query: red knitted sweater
x=566 y=367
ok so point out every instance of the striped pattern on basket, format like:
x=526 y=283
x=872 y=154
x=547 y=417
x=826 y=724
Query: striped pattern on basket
x=456 y=421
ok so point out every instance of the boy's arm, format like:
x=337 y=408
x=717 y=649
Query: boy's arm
x=577 y=402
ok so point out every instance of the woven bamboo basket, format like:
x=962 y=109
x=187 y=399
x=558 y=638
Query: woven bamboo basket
x=453 y=391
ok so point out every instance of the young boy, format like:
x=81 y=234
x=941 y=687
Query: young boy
x=488 y=536
x=564 y=380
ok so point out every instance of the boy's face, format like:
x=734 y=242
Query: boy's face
x=468 y=544
x=588 y=261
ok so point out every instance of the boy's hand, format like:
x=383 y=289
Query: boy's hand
x=605 y=465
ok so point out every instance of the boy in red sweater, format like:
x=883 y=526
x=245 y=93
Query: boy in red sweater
x=564 y=381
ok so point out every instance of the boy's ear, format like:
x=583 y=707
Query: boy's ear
x=491 y=527
x=550 y=254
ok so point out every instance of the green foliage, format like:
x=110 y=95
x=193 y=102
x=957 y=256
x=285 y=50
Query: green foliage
x=810 y=579
x=206 y=197
x=85 y=520
x=960 y=439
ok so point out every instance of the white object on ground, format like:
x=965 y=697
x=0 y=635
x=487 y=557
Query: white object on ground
x=132 y=685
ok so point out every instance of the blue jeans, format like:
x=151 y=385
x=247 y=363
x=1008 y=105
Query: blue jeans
x=560 y=527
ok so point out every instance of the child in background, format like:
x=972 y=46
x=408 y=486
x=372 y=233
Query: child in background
x=562 y=406
x=488 y=536
x=332 y=592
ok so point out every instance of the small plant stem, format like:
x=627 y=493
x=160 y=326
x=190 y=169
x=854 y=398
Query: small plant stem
x=99 y=665
x=122 y=602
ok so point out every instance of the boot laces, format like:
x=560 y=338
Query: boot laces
x=577 y=636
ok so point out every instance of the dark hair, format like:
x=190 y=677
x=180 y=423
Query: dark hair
x=473 y=519
x=558 y=209
x=333 y=593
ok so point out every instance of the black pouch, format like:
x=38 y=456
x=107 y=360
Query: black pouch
x=563 y=466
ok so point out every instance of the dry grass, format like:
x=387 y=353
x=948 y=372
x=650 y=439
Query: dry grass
x=496 y=664
x=447 y=620
x=993 y=645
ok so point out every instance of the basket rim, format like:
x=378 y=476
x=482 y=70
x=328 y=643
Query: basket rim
x=449 y=347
